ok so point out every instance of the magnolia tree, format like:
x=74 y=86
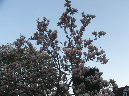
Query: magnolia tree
x=72 y=53
x=20 y=72
x=41 y=75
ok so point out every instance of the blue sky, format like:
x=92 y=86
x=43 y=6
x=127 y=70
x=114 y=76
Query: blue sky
x=19 y=16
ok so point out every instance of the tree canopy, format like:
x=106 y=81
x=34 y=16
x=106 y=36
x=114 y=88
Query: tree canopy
x=19 y=67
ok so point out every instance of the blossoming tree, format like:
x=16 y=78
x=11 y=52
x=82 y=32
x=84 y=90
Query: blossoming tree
x=42 y=78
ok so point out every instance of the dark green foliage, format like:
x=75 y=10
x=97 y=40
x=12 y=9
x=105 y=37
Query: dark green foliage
x=88 y=86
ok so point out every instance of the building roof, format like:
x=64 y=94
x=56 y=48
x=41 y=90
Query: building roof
x=119 y=91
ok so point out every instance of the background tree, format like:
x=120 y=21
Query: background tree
x=89 y=86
